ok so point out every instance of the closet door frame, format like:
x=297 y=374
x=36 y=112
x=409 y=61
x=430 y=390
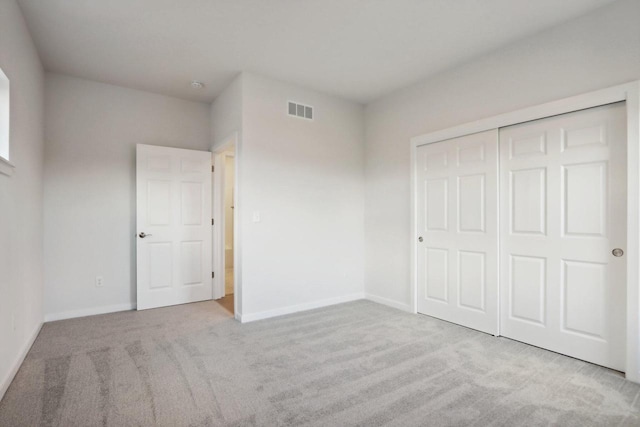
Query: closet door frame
x=629 y=93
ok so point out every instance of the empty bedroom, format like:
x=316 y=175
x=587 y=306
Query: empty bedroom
x=319 y=213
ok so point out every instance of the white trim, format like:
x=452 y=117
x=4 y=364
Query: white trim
x=6 y=167
x=633 y=232
x=389 y=302
x=217 y=213
x=554 y=108
x=413 y=252
x=629 y=92
x=6 y=381
x=52 y=317
x=252 y=317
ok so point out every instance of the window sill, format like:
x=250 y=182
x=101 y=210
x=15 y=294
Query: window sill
x=6 y=167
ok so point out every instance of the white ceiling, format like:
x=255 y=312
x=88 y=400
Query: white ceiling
x=355 y=49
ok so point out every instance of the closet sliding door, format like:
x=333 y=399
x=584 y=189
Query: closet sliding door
x=563 y=234
x=457 y=207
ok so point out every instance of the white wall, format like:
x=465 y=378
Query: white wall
x=91 y=132
x=226 y=112
x=21 y=290
x=595 y=51
x=306 y=178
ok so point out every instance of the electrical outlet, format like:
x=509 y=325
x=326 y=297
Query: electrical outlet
x=256 y=216
x=99 y=281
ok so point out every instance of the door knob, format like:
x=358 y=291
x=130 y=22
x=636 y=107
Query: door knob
x=420 y=239
x=143 y=235
x=617 y=252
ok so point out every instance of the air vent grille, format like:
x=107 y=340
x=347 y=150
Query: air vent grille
x=299 y=110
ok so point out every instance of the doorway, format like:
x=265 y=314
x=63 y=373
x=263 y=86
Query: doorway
x=224 y=225
x=229 y=197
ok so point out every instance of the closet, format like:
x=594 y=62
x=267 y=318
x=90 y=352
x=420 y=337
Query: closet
x=522 y=232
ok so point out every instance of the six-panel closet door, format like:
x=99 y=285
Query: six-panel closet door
x=562 y=213
x=559 y=279
x=457 y=203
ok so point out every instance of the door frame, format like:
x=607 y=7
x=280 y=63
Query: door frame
x=628 y=92
x=219 y=154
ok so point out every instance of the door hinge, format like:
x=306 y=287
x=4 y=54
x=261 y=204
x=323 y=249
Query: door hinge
x=213 y=275
x=211 y=221
x=213 y=168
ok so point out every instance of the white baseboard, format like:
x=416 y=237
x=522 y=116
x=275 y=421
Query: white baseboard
x=6 y=382
x=88 y=312
x=631 y=377
x=389 y=302
x=251 y=317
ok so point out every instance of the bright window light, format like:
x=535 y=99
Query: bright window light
x=4 y=116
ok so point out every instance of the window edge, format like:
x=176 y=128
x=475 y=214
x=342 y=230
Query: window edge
x=6 y=167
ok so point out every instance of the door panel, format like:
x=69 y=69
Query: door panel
x=174 y=211
x=457 y=205
x=563 y=210
x=471 y=203
x=471 y=279
x=436 y=194
x=528 y=283
x=528 y=213
x=437 y=275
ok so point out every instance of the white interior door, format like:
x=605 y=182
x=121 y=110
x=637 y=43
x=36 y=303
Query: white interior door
x=457 y=218
x=173 y=226
x=563 y=211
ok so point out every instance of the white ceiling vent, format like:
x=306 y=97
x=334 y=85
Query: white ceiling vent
x=299 y=110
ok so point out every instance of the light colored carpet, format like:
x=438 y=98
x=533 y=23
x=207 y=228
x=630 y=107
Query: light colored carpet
x=355 y=364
